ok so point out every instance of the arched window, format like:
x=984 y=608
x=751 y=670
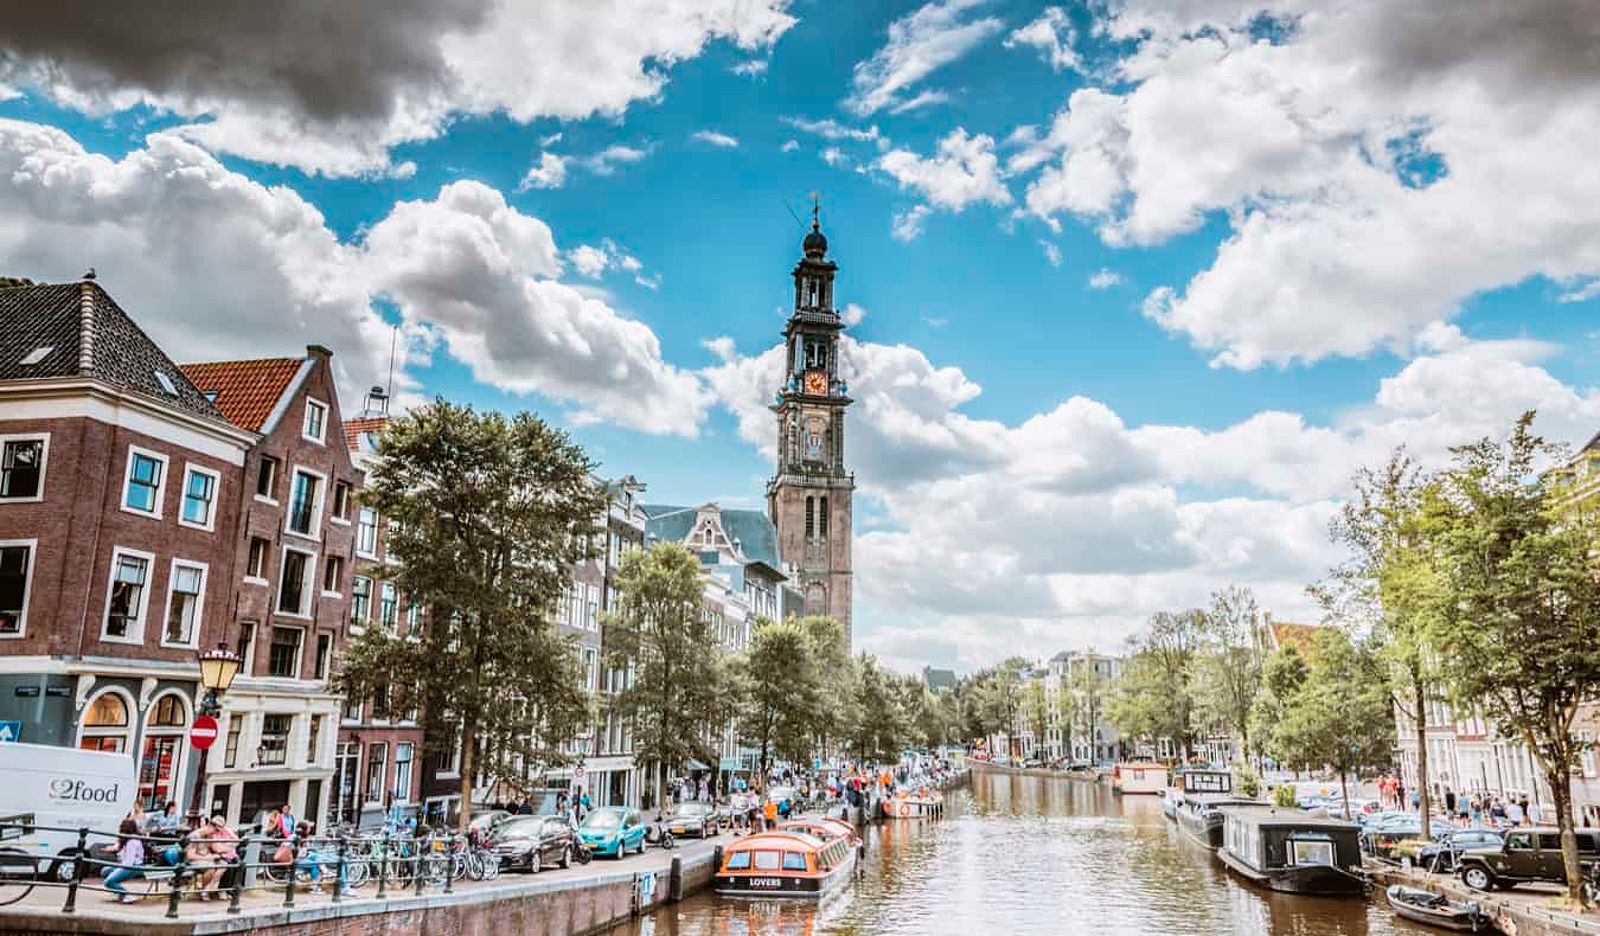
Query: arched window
x=822 y=517
x=161 y=762
x=811 y=517
x=106 y=725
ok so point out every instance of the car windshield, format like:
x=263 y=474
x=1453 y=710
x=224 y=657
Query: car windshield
x=519 y=828
x=694 y=809
x=604 y=819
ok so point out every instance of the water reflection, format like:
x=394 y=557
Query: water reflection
x=1029 y=855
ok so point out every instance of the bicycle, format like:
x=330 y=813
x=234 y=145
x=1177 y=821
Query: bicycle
x=18 y=872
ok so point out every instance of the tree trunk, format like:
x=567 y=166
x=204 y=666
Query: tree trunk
x=469 y=744
x=1561 y=791
x=1424 y=795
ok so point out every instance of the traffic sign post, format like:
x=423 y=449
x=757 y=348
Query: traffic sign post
x=203 y=733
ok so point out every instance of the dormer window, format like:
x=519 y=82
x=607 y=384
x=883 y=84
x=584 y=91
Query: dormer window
x=167 y=386
x=36 y=355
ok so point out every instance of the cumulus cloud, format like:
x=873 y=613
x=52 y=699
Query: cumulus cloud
x=548 y=173
x=1068 y=528
x=715 y=138
x=1378 y=165
x=964 y=169
x=834 y=131
x=333 y=91
x=920 y=43
x=183 y=243
x=1053 y=35
x=1052 y=253
x=1104 y=278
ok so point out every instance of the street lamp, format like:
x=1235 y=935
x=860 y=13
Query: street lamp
x=217 y=669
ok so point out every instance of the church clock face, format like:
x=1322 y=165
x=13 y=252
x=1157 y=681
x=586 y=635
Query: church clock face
x=816 y=383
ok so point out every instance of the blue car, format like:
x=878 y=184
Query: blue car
x=613 y=831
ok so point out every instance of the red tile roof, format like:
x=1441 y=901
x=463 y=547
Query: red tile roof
x=354 y=429
x=1301 y=635
x=246 y=391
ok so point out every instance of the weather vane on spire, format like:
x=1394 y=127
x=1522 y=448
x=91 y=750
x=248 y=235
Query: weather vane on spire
x=816 y=210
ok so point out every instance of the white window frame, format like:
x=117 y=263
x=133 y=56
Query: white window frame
x=318 y=503
x=350 y=501
x=310 y=589
x=200 y=601
x=305 y=419
x=127 y=482
x=322 y=580
x=403 y=792
x=27 y=582
x=359 y=625
x=265 y=553
x=44 y=463
x=299 y=658
x=136 y=631
x=216 y=493
x=255 y=481
x=376 y=519
x=1301 y=849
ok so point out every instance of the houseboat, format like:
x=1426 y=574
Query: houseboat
x=784 y=864
x=1200 y=796
x=1141 y=778
x=1292 y=851
x=907 y=804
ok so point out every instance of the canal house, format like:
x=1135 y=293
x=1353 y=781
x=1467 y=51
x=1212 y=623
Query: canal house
x=1289 y=850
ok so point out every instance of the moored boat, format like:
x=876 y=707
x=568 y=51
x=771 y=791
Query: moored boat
x=1288 y=850
x=1437 y=910
x=1146 y=778
x=784 y=864
x=904 y=805
x=1197 y=806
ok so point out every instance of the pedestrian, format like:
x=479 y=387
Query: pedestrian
x=561 y=803
x=705 y=790
x=130 y=860
x=287 y=820
x=1449 y=802
x=525 y=808
x=1527 y=814
x=771 y=813
x=1514 y=813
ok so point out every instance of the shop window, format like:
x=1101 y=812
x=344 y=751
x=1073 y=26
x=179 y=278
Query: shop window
x=105 y=724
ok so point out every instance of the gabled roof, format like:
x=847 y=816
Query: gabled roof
x=245 y=391
x=757 y=537
x=78 y=330
x=1301 y=635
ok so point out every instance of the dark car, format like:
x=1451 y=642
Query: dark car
x=533 y=842
x=1525 y=855
x=693 y=818
x=1441 y=855
x=1381 y=840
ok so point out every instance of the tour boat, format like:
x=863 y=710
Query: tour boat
x=822 y=828
x=784 y=864
x=904 y=805
x=1139 y=778
x=1292 y=851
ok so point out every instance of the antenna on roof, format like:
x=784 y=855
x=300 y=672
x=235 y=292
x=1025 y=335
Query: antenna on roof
x=816 y=209
x=378 y=396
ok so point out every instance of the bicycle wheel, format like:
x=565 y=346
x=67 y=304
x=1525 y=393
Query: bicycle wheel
x=356 y=873
x=491 y=865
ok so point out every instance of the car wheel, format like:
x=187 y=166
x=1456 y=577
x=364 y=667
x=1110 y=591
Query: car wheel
x=1478 y=878
x=61 y=870
x=535 y=861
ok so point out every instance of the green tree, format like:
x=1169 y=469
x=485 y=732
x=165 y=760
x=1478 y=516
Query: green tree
x=1389 y=586
x=1036 y=711
x=1341 y=716
x=1281 y=678
x=1521 y=610
x=779 y=690
x=878 y=726
x=1155 y=696
x=1086 y=694
x=1229 y=664
x=836 y=677
x=488 y=516
x=678 y=699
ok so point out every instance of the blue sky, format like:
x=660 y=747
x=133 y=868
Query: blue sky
x=1139 y=283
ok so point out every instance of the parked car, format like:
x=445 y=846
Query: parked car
x=529 y=843
x=612 y=830
x=1380 y=841
x=1441 y=855
x=485 y=821
x=693 y=818
x=1525 y=855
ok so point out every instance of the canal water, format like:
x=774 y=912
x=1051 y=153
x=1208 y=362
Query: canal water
x=1033 y=855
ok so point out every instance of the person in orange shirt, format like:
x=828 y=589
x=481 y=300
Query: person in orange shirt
x=771 y=812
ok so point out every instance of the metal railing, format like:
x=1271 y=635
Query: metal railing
x=182 y=864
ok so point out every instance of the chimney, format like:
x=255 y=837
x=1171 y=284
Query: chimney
x=318 y=351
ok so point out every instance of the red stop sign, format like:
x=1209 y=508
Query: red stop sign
x=203 y=733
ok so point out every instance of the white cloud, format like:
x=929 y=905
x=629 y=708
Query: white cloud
x=714 y=138
x=833 y=156
x=754 y=68
x=963 y=170
x=852 y=314
x=183 y=242
x=1053 y=35
x=548 y=173
x=1052 y=253
x=333 y=95
x=605 y=162
x=1376 y=170
x=594 y=262
x=922 y=99
x=920 y=43
x=789 y=146
x=907 y=225
x=834 y=131
x=1104 y=278
x=1070 y=527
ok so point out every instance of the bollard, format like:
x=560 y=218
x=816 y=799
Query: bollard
x=288 y=889
x=71 y=906
x=238 y=882
x=450 y=866
x=338 y=877
x=383 y=866
x=716 y=859
x=675 y=879
x=177 y=876
x=416 y=870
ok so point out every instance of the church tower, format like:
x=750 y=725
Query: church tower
x=809 y=498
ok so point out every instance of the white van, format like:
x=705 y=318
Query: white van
x=60 y=788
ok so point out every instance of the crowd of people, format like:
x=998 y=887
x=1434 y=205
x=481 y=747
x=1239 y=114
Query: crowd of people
x=150 y=840
x=1473 y=808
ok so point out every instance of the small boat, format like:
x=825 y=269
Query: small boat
x=1139 y=778
x=904 y=805
x=1291 y=851
x=1422 y=906
x=784 y=864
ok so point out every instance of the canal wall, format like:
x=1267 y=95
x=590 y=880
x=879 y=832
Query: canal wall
x=1521 y=912
x=569 y=907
